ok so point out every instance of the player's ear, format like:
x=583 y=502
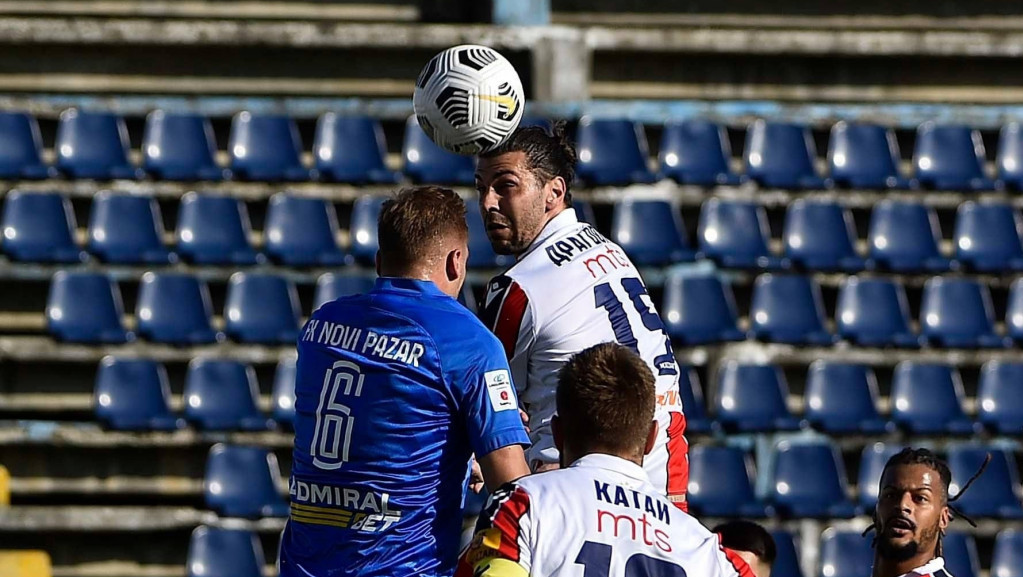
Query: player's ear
x=559 y=438
x=454 y=264
x=651 y=438
x=554 y=193
x=944 y=520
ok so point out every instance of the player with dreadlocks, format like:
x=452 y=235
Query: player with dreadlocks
x=913 y=510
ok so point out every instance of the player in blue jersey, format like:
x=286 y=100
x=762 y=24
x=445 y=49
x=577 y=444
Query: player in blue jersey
x=395 y=390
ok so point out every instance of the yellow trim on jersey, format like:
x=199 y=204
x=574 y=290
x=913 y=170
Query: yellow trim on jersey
x=498 y=567
x=322 y=516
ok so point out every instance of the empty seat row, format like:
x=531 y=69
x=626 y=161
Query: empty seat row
x=955 y=312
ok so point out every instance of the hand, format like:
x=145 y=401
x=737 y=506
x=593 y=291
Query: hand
x=476 y=477
x=539 y=466
x=525 y=419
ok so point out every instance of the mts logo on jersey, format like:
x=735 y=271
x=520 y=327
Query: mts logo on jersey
x=499 y=386
x=639 y=525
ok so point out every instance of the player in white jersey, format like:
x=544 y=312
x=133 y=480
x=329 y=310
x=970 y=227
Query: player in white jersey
x=569 y=289
x=599 y=515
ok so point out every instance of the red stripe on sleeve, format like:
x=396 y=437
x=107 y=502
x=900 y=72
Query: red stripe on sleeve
x=740 y=566
x=678 y=457
x=508 y=519
x=509 y=319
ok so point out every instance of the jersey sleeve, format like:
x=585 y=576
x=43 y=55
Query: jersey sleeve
x=730 y=564
x=508 y=314
x=502 y=545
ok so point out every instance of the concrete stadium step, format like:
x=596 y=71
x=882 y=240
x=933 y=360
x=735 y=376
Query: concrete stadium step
x=39 y=348
x=90 y=435
x=837 y=22
x=204 y=9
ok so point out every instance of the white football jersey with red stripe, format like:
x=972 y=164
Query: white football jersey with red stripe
x=572 y=289
x=598 y=517
x=934 y=568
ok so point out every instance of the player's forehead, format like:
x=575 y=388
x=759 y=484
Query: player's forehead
x=513 y=163
x=910 y=477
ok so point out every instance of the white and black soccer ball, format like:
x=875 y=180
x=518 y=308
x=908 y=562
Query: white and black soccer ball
x=468 y=99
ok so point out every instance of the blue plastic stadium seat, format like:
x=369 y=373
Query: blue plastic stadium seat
x=904 y=237
x=1000 y=397
x=960 y=553
x=693 y=403
x=987 y=236
x=1007 y=559
x=21 y=148
x=216 y=552
x=351 y=149
x=820 y=235
x=735 y=234
x=133 y=394
x=214 y=229
x=872 y=464
x=874 y=312
x=1014 y=311
x=1010 y=157
x=283 y=395
x=612 y=152
x=243 y=481
x=363 y=228
x=788 y=309
x=996 y=493
x=93 y=145
x=261 y=308
x=809 y=480
x=696 y=152
x=174 y=308
x=425 y=162
x=864 y=156
x=468 y=299
x=39 y=227
x=332 y=286
x=85 y=307
x=651 y=232
x=845 y=553
x=127 y=228
x=266 y=147
x=753 y=398
x=699 y=310
x=302 y=231
x=842 y=398
x=721 y=483
x=927 y=398
x=950 y=157
x=583 y=211
x=786 y=564
x=957 y=312
x=481 y=253
x=222 y=395
x=178 y=146
x=781 y=155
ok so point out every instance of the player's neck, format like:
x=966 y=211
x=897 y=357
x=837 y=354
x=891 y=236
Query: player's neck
x=548 y=217
x=574 y=456
x=889 y=568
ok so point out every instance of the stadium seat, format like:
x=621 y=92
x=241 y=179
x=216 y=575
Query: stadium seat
x=283 y=394
x=612 y=152
x=214 y=229
x=842 y=398
x=1000 y=397
x=845 y=553
x=651 y=232
x=85 y=307
x=243 y=481
x=696 y=152
x=21 y=148
x=1007 y=558
x=1010 y=157
x=872 y=464
x=481 y=253
x=332 y=286
x=786 y=563
x=864 y=156
x=261 y=308
x=753 y=398
x=957 y=312
x=781 y=155
x=127 y=228
x=1014 y=311
x=996 y=493
x=874 y=312
x=904 y=237
x=950 y=157
x=960 y=553
x=987 y=236
x=583 y=211
x=222 y=395
x=809 y=480
x=693 y=403
x=179 y=146
x=21 y=563
x=266 y=148
x=735 y=234
x=425 y=162
x=133 y=394
x=351 y=149
x=699 y=310
x=363 y=228
x=93 y=145
x=174 y=308
x=820 y=235
x=721 y=483
x=927 y=399
x=217 y=552
x=39 y=227
x=302 y=231
x=788 y=309
x=468 y=299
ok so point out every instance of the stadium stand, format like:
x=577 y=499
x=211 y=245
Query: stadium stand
x=696 y=152
x=845 y=554
x=243 y=481
x=999 y=405
x=651 y=232
x=612 y=152
x=871 y=466
x=5 y=487
x=864 y=156
x=874 y=312
x=905 y=237
x=302 y=232
x=809 y=481
x=222 y=395
x=266 y=148
x=736 y=234
x=85 y=307
x=425 y=162
x=351 y=149
x=363 y=228
x=950 y=157
x=1008 y=554
x=780 y=155
x=25 y=564
x=214 y=229
x=753 y=398
x=216 y=552
x=927 y=398
x=127 y=229
x=721 y=484
x=39 y=227
x=788 y=309
x=93 y=145
x=174 y=309
x=842 y=399
x=134 y=394
x=786 y=564
x=996 y=493
x=283 y=395
x=261 y=308
x=987 y=236
x=820 y=236
x=957 y=312
x=21 y=147
x=960 y=553
x=180 y=147
x=697 y=421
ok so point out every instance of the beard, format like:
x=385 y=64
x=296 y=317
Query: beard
x=893 y=552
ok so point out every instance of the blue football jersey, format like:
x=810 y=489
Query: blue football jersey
x=395 y=389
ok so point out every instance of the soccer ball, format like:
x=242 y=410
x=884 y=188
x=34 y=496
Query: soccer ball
x=468 y=99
